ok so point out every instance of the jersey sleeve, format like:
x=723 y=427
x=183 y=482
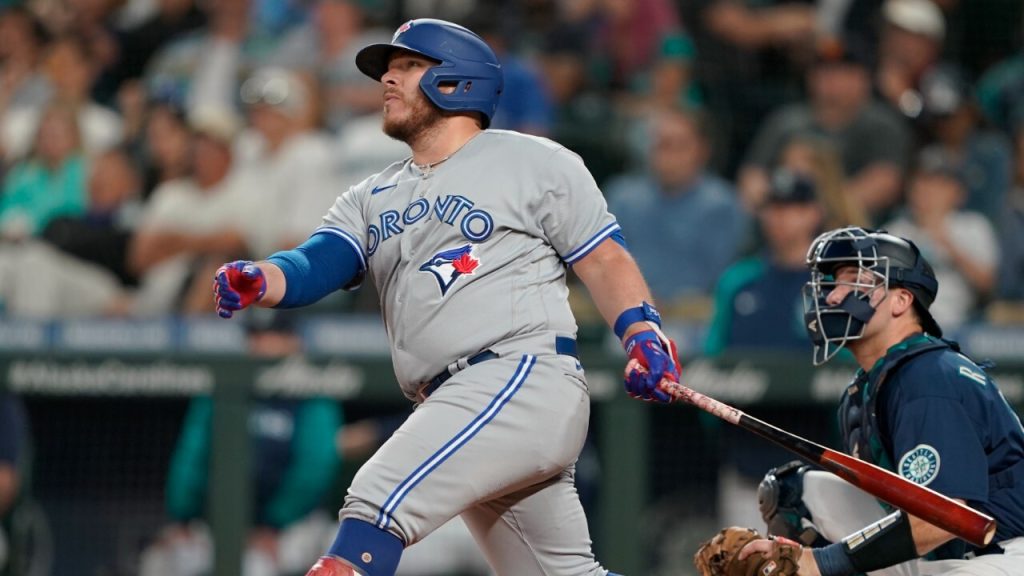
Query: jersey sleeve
x=935 y=444
x=346 y=219
x=573 y=213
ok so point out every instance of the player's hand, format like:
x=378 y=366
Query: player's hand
x=652 y=358
x=330 y=566
x=779 y=556
x=237 y=285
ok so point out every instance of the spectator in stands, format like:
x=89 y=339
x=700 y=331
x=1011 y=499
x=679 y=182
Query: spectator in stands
x=873 y=142
x=101 y=235
x=742 y=44
x=1011 y=232
x=751 y=310
x=525 y=104
x=71 y=70
x=192 y=222
x=629 y=34
x=585 y=121
x=1000 y=94
x=684 y=224
x=36 y=279
x=50 y=182
x=137 y=43
x=960 y=245
x=982 y=155
x=22 y=84
x=816 y=158
x=326 y=46
x=911 y=44
x=165 y=151
x=293 y=466
x=285 y=158
x=668 y=81
x=667 y=84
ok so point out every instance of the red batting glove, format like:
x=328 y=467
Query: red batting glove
x=331 y=566
x=237 y=285
x=652 y=358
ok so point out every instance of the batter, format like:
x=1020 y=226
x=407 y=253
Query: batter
x=468 y=243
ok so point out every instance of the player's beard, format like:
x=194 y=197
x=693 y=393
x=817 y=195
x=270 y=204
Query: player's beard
x=422 y=117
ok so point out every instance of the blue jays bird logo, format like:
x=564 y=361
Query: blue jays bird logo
x=448 y=265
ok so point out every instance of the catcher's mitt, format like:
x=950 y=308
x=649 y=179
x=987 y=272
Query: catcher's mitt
x=719 y=556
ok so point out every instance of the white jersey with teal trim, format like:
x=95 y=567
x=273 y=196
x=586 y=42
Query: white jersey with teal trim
x=473 y=253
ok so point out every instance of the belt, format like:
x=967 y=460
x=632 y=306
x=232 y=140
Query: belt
x=563 y=345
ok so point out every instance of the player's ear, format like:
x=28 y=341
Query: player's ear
x=903 y=301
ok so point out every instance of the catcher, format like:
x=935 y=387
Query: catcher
x=917 y=406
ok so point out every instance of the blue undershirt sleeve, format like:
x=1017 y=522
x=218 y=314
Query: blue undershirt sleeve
x=317 y=267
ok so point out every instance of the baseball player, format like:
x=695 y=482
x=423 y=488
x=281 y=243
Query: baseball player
x=917 y=406
x=468 y=242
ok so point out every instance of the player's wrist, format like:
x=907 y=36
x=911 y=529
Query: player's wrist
x=808 y=565
x=636 y=319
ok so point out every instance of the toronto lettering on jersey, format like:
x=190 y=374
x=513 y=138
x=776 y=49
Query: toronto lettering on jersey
x=475 y=225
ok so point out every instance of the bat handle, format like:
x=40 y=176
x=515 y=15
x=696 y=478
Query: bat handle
x=706 y=403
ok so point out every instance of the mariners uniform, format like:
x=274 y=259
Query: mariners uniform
x=930 y=414
x=922 y=409
x=471 y=266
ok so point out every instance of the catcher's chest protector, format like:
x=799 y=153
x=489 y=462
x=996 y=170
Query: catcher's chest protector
x=858 y=409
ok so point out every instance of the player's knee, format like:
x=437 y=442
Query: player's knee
x=373 y=552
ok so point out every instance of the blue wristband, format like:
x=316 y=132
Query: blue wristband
x=644 y=312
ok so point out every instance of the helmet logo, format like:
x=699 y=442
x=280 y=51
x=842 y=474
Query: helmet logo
x=403 y=28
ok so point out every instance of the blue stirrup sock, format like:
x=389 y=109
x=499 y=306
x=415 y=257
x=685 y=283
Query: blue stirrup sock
x=372 y=551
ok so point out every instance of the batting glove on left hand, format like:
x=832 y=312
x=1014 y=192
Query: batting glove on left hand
x=237 y=285
x=652 y=358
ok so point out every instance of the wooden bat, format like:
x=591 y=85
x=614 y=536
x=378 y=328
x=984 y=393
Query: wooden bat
x=925 y=503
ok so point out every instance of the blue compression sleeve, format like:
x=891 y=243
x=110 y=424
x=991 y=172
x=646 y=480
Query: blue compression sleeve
x=316 y=268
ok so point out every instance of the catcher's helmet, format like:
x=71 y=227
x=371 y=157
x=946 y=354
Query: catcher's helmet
x=465 y=61
x=886 y=261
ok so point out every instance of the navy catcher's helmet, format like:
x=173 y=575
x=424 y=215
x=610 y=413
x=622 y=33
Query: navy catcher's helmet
x=465 y=61
x=885 y=261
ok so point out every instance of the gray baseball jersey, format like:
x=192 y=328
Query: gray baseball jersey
x=468 y=257
x=473 y=255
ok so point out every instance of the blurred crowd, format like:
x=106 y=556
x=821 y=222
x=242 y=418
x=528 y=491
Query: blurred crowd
x=144 y=142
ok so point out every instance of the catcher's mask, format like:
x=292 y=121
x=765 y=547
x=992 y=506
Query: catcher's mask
x=882 y=261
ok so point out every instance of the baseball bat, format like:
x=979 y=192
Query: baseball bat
x=925 y=503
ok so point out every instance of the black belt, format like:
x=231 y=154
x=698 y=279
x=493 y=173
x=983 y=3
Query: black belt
x=563 y=345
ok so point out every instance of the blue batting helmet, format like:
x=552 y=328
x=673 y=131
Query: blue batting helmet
x=465 y=62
